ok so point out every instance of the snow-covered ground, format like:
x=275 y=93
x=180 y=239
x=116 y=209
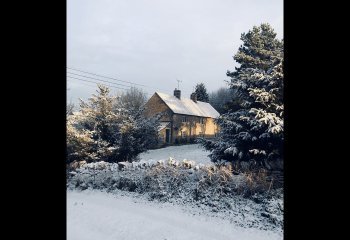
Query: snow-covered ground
x=99 y=215
x=193 y=152
x=143 y=203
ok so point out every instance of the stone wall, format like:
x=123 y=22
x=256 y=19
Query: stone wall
x=187 y=127
x=156 y=105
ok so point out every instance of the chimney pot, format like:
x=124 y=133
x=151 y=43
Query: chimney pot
x=177 y=93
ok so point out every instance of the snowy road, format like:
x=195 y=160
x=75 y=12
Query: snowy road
x=193 y=152
x=95 y=215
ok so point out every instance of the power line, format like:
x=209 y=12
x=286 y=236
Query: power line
x=106 y=77
x=95 y=82
x=94 y=86
x=99 y=75
x=100 y=83
x=99 y=79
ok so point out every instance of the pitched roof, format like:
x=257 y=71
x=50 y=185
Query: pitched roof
x=188 y=107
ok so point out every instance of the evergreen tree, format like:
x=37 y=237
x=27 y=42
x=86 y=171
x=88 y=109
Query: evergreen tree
x=261 y=50
x=201 y=92
x=104 y=130
x=254 y=133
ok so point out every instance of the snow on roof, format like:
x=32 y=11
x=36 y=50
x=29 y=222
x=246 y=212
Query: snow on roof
x=188 y=107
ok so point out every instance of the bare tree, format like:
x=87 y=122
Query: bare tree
x=70 y=108
x=220 y=98
x=133 y=100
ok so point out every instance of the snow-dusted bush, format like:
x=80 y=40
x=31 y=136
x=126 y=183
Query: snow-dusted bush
x=254 y=133
x=80 y=145
x=104 y=130
x=164 y=179
x=217 y=188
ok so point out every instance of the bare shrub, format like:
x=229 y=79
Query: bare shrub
x=255 y=182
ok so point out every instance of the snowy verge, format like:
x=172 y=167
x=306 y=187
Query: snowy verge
x=124 y=215
x=214 y=190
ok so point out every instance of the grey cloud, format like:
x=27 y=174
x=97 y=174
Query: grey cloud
x=154 y=42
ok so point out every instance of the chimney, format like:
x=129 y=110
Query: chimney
x=194 y=97
x=177 y=93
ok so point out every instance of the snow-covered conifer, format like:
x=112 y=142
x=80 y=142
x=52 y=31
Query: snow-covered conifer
x=255 y=131
x=201 y=92
x=105 y=130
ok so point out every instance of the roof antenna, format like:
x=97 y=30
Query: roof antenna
x=178 y=83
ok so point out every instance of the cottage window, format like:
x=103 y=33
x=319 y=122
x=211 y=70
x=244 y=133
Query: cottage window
x=184 y=119
x=201 y=120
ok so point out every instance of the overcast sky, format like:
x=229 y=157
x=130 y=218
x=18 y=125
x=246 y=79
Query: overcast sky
x=155 y=42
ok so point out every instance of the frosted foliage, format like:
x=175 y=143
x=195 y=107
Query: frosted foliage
x=274 y=123
x=104 y=130
x=254 y=132
x=257 y=151
x=271 y=112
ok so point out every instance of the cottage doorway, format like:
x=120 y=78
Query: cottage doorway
x=167 y=135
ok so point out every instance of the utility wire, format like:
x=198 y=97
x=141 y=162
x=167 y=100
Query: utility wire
x=95 y=82
x=99 y=75
x=106 y=77
x=99 y=79
x=104 y=84
x=86 y=84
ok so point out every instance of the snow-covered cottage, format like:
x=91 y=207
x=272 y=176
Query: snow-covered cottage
x=183 y=119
